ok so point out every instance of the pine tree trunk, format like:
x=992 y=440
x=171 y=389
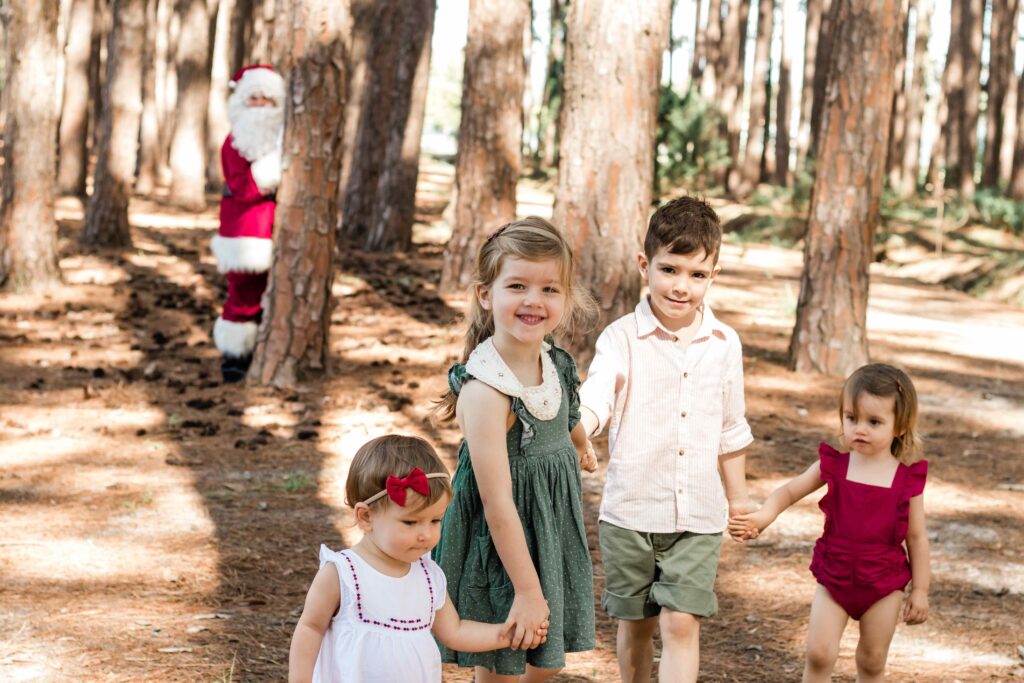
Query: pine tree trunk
x=782 y=106
x=106 y=219
x=165 y=47
x=487 y=168
x=750 y=167
x=699 y=46
x=1016 y=187
x=149 y=127
x=188 y=146
x=1009 y=131
x=734 y=37
x=811 y=31
x=241 y=34
x=605 y=176
x=74 y=121
x=380 y=195
x=218 y=127
x=823 y=58
x=28 y=227
x=292 y=343
x=911 y=165
x=710 y=76
x=897 y=121
x=971 y=27
x=946 y=152
x=1000 y=71
x=551 y=104
x=830 y=334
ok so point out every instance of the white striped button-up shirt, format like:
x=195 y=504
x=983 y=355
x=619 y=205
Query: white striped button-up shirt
x=674 y=408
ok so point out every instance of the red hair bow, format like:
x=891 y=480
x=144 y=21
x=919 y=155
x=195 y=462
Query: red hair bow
x=415 y=480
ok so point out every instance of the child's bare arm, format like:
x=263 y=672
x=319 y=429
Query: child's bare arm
x=584 y=449
x=780 y=499
x=916 y=609
x=322 y=602
x=473 y=636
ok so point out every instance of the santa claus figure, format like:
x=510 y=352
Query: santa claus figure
x=251 y=159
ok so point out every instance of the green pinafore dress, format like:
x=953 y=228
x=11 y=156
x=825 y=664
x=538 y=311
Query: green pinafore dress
x=547 y=491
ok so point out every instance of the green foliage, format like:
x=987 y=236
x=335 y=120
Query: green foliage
x=297 y=481
x=689 y=148
x=997 y=210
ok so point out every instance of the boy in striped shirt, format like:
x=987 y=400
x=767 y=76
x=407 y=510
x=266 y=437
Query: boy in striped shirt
x=668 y=380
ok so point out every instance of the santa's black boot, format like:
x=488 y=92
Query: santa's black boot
x=233 y=368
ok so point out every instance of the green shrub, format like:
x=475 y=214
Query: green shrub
x=689 y=148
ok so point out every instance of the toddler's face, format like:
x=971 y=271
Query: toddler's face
x=407 y=533
x=527 y=299
x=869 y=424
x=678 y=283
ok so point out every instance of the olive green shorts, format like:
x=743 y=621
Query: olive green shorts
x=645 y=572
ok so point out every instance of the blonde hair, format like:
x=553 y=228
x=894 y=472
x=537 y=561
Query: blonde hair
x=393 y=455
x=532 y=239
x=884 y=381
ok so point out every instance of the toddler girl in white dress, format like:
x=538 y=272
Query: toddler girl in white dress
x=373 y=611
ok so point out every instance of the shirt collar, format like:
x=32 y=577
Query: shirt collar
x=647 y=323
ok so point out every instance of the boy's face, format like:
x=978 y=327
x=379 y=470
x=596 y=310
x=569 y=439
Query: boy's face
x=678 y=283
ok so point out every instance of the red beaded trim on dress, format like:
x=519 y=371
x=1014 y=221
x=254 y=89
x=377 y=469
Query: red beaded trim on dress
x=359 y=602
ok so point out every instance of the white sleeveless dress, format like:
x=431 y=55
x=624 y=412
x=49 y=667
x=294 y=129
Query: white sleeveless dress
x=381 y=633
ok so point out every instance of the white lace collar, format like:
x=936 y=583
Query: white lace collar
x=543 y=400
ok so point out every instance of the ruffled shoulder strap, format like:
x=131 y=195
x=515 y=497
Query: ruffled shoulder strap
x=457 y=377
x=915 y=479
x=342 y=564
x=830 y=462
x=566 y=366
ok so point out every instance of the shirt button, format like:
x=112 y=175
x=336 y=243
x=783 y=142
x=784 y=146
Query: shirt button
x=682 y=414
x=682 y=451
x=686 y=374
x=675 y=338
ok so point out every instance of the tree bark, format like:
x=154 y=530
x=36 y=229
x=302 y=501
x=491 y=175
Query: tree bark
x=1009 y=131
x=971 y=27
x=241 y=34
x=603 y=197
x=815 y=9
x=946 y=151
x=823 y=58
x=192 y=62
x=710 y=75
x=487 y=168
x=734 y=35
x=106 y=218
x=292 y=343
x=911 y=165
x=699 y=46
x=28 y=227
x=782 y=106
x=74 y=121
x=752 y=163
x=1016 y=187
x=551 y=103
x=149 y=127
x=218 y=127
x=1000 y=72
x=380 y=195
x=830 y=334
x=897 y=121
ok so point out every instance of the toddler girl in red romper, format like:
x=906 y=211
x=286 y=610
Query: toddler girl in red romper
x=873 y=508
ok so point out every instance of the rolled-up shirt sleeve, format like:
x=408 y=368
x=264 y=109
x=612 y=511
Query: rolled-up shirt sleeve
x=607 y=370
x=736 y=432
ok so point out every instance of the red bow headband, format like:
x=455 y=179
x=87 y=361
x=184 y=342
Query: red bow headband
x=395 y=487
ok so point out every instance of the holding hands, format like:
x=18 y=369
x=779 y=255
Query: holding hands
x=527 y=624
x=588 y=459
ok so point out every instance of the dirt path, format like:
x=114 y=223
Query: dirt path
x=155 y=525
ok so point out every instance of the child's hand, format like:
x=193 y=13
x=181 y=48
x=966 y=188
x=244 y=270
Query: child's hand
x=741 y=531
x=505 y=635
x=748 y=526
x=588 y=459
x=916 y=609
x=528 y=615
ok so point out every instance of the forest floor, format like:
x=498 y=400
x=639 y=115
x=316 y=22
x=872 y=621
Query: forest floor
x=156 y=525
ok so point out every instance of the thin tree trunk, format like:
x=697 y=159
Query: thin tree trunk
x=380 y=196
x=1016 y=187
x=823 y=58
x=74 y=120
x=1009 y=131
x=811 y=33
x=265 y=13
x=149 y=133
x=487 y=168
x=910 y=167
x=897 y=121
x=710 y=75
x=605 y=176
x=551 y=104
x=971 y=27
x=830 y=334
x=241 y=34
x=28 y=227
x=166 y=86
x=292 y=343
x=750 y=167
x=782 y=110
x=699 y=46
x=948 y=147
x=188 y=146
x=106 y=218
x=1000 y=72
x=218 y=127
x=734 y=36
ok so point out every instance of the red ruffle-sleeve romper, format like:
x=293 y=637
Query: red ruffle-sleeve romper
x=860 y=557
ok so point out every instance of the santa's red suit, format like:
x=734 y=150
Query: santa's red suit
x=251 y=160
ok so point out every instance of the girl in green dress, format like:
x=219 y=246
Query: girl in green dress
x=512 y=543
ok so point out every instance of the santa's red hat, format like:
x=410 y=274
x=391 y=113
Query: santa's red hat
x=257 y=79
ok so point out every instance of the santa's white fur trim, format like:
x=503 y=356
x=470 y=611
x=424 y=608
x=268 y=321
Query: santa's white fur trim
x=234 y=339
x=266 y=171
x=242 y=254
x=266 y=82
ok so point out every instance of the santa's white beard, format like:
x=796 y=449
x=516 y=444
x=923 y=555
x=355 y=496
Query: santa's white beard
x=255 y=130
